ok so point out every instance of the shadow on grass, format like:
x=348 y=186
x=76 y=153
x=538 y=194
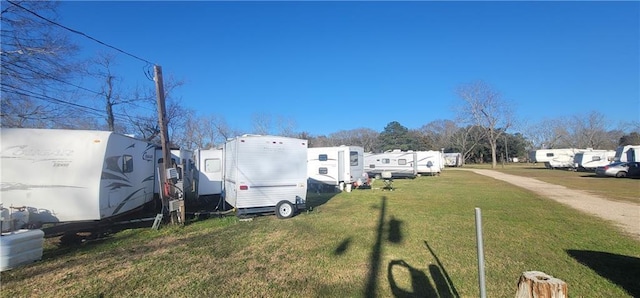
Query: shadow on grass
x=315 y=199
x=376 y=251
x=421 y=285
x=342 y=248
x=619 y=269
x=441 y=278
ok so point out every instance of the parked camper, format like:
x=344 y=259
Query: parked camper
x=590 y=160
x=210 y=166
x=341 y=166
x=54 y=175
x=453 y=159
x=265 y=174
x=399 y=163
x=555 y=158
x=628 y=153
x=429 y=162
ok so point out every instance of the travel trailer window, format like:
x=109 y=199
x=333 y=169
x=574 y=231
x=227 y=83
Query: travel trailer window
x=127 y=163
x=595 y=158
x=322 y=157
x=550 y=154
x=212 y=165
x=386 y=160
x=354 y=158
x=323 y=171
x=402 y=161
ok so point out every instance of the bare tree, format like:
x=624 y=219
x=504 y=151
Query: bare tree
x=262 y=123
x=112 y=98
x=206 y=131
x=486 y=108
x=466 y=139
x=549 y=133
x=590 y=131
x=36 y=67
x=142 y=117
x=440 y=132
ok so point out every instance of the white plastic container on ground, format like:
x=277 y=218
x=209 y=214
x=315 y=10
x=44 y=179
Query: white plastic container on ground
x=20 y=247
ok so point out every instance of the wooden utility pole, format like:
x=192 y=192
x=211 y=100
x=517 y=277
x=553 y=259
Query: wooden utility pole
x=164 y=134
x=168 y=200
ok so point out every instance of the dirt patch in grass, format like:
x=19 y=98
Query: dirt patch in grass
x=625 y=215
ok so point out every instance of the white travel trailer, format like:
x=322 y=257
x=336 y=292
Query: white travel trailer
x=555 y=158
x=628 y=153
x=341 y=166
x=453 y=159
x=265 y=174
x=210 y=166
x=399 y=163
x=590 y=160
x=429 y=162
x=54 y=176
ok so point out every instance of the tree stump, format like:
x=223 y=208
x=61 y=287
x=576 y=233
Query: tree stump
x=536 y=284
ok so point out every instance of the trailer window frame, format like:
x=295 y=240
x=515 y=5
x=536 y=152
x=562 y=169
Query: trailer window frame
x=215 y=167
x=127 y=163
x=353 y=158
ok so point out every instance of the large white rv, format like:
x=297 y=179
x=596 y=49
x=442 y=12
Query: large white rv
x=628 y=153
x=53 y=176
x=265 y=174
x=429 y=162
x=341 y=166
x=590 y=160
x=453 y=159
x=210 y=165
x=399 y=163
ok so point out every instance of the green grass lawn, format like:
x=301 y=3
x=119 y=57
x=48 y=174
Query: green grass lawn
x=416 y=241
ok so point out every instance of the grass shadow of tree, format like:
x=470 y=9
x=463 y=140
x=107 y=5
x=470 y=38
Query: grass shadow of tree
x=619 y=269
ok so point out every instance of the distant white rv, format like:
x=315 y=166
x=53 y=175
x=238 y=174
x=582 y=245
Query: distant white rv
x=590 y=160
x=265 y=173
x=555 y=158
x=399 y=163
x=453 y=159
x=628 y=153
x=429 y=162
x=341 y=166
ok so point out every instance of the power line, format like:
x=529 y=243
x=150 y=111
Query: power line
x=80 y=33
x=87 y=109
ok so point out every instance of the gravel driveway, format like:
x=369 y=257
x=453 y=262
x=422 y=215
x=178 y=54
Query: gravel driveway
x=623 y=214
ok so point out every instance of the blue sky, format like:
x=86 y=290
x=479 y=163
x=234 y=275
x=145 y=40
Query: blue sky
x=335 y=65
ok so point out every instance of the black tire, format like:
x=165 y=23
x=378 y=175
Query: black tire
x=377 y=176
x=621 y=174
x=284 y=209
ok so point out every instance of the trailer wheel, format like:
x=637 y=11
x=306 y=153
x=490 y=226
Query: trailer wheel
x=284 y=209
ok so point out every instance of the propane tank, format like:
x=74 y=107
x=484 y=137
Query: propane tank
x=20 y=217
x=5 y=219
